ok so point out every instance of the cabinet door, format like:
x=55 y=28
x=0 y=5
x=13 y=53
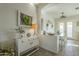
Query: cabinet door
x=24 y=45
x=27 y=44
x=20 y=45
x=30 y=42
x=35 y=42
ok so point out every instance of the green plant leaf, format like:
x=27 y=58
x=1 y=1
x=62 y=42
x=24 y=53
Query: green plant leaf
x=26 y=20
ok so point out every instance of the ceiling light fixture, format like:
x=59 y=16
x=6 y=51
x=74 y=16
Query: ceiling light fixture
x=62 y=15
x=77 y=8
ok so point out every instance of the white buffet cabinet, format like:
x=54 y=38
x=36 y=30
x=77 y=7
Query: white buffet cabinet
x=24 y=43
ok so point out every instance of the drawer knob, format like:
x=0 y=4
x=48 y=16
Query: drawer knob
x=21 y=36
x=22 y=41
x=28 y=39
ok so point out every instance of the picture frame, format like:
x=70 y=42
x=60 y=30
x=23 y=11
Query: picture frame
x=24 y=19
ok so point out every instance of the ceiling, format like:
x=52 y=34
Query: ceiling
x=55 y=9
x=40 y=5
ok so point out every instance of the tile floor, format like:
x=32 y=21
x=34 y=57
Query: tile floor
x=71 y=48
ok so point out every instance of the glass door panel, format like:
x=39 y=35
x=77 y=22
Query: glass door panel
x=69 y=29
x=61 y=29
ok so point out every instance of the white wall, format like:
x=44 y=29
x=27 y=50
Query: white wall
x=47 y=17
x=8 y=18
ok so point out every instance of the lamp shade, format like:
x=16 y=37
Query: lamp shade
x=34 y=26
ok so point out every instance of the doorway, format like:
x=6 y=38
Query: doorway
x=65 y=29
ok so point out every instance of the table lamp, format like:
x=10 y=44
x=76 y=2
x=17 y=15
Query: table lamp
x=34 y=26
